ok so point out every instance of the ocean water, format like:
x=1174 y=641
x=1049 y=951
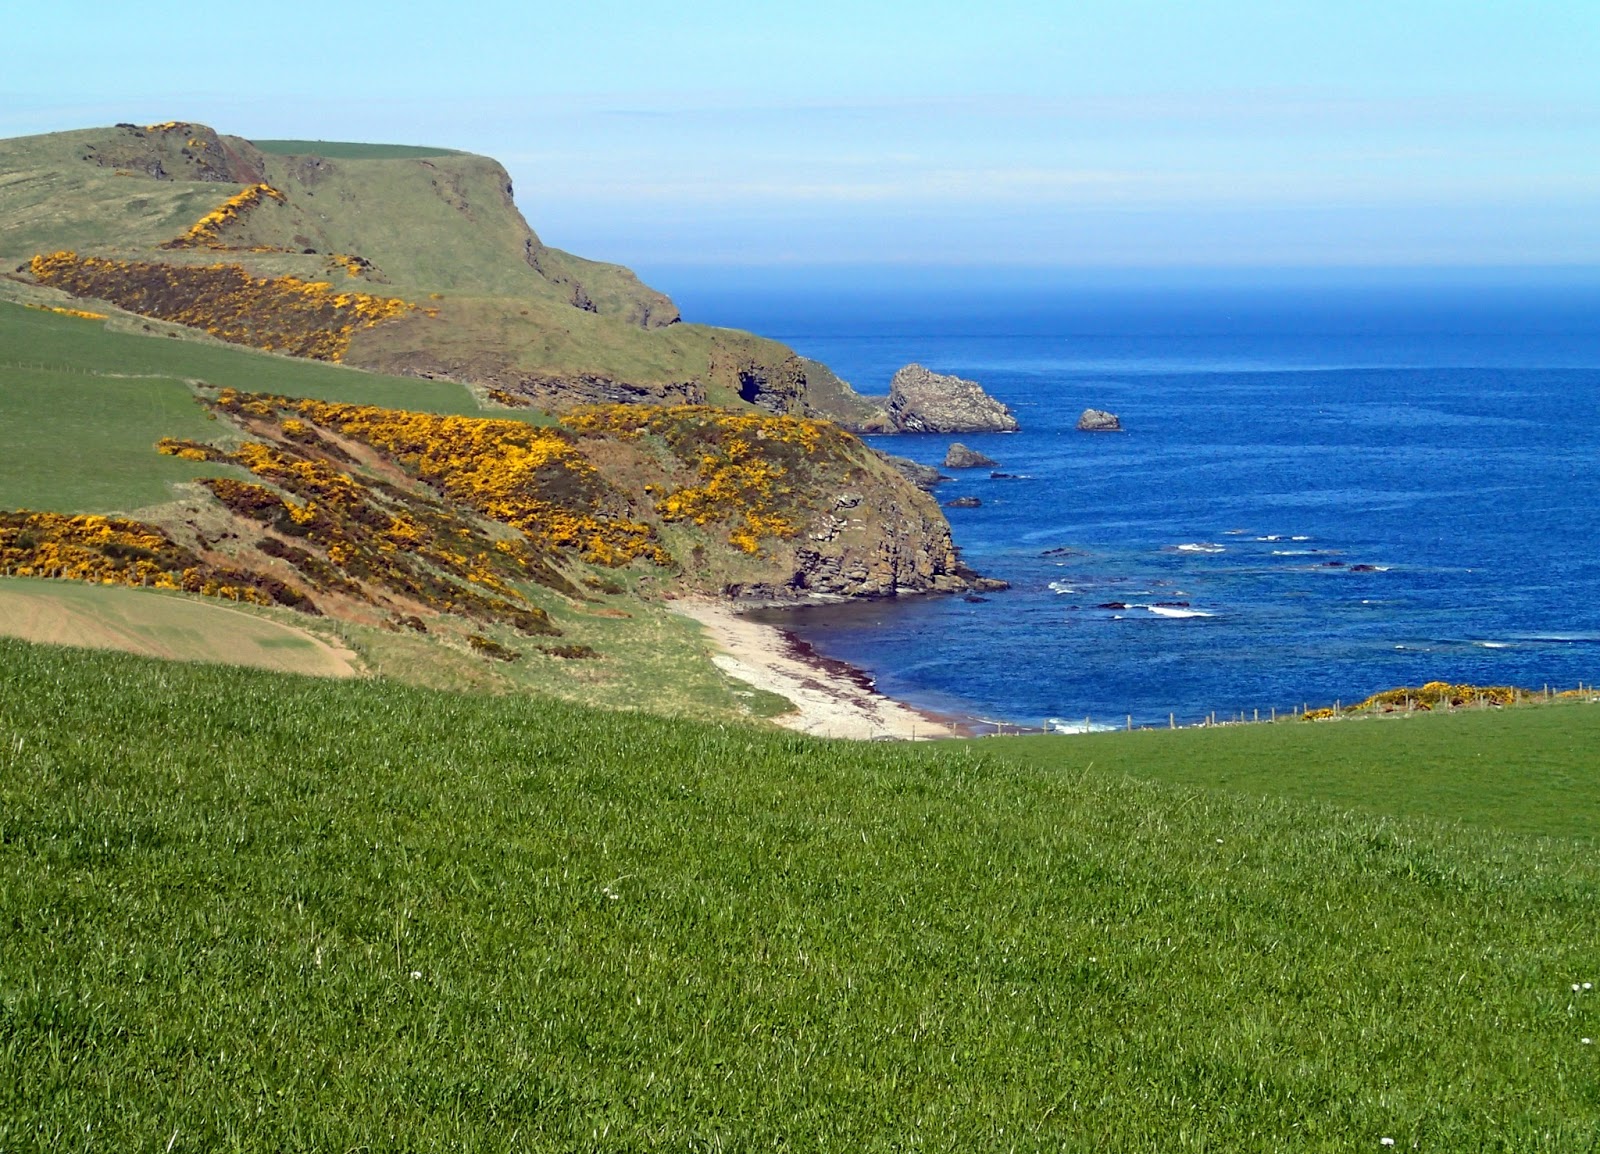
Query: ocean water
x=1321 y=491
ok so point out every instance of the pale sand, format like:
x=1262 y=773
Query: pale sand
x=828 y=703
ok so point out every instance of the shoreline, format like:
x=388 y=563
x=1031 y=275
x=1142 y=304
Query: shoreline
x=831 y=698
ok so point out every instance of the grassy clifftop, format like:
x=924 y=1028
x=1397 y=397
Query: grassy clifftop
x=484 y=299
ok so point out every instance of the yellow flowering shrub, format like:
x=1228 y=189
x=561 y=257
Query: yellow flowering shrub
x=82 y=314
x=115 y=551
x=532 y=478
x=351 y=266
x=367 y=538
x=1436 y=694
x=188 y=450
x=207 y=231
x=749 y=470
x=283 y=313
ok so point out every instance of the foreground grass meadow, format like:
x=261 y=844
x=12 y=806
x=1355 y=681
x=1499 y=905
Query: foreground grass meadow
x=241 y=910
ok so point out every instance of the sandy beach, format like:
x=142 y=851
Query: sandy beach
x=830 y=699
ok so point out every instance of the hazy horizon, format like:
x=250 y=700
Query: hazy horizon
x=1108 y=133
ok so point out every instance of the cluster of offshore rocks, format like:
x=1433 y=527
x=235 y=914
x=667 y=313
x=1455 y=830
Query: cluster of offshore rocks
x=921 y=401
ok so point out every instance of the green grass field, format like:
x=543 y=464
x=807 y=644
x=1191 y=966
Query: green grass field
x=82 y=407
x=75 y=443
x=1532 y=770
x=33 y=340
x=246 y=911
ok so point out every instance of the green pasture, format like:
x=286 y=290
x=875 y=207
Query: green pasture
x=254 y=911
x=75 y=443
x=1533 y=770
x=82 y=407
x=31 y=339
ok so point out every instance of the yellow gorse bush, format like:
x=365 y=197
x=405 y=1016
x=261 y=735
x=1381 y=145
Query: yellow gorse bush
x=1425 y=698
x=115 y=551
x=207 y=231
x=532 y=478
x=283 y=313
x=82 y=314
x=748 y=468
x=1439 y=693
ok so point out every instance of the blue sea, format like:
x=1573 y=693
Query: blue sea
x=1323 y=489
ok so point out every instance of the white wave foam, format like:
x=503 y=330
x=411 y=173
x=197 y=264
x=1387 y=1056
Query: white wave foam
x=1270 y=537
x=1299 y=538
x=1492 y=644
x=1169 y=611
x=1060 y=587
x=1201 y=547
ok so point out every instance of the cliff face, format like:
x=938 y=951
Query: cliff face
x=879 y=536
x=779 y=508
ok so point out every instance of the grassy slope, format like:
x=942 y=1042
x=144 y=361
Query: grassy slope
x=258 y=912
x=32 y=340
x=76 y=438
x=433 y=222
x=106 y=428
x=163 y=624
x=82 y=406
x=48 y=197
x=1531 y=770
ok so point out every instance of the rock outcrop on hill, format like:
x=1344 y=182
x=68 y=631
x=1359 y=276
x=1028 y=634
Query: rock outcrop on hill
x=1099 y=421
x=925 y=402
x=961 y=457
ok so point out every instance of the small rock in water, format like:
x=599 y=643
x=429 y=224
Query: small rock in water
x=961 y=457
x=963 y=503
x=1099 y=421
x=924 y=402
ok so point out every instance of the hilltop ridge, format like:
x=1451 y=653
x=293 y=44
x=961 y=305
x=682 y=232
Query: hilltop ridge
x=487 y=302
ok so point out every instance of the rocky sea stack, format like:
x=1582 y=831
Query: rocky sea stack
x=961 y=457
x=924 y=402
x=1099 y=421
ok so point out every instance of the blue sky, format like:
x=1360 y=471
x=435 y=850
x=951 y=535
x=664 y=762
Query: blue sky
x=1064 y=135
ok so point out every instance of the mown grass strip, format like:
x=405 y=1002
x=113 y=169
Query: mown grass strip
x=262 y=912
